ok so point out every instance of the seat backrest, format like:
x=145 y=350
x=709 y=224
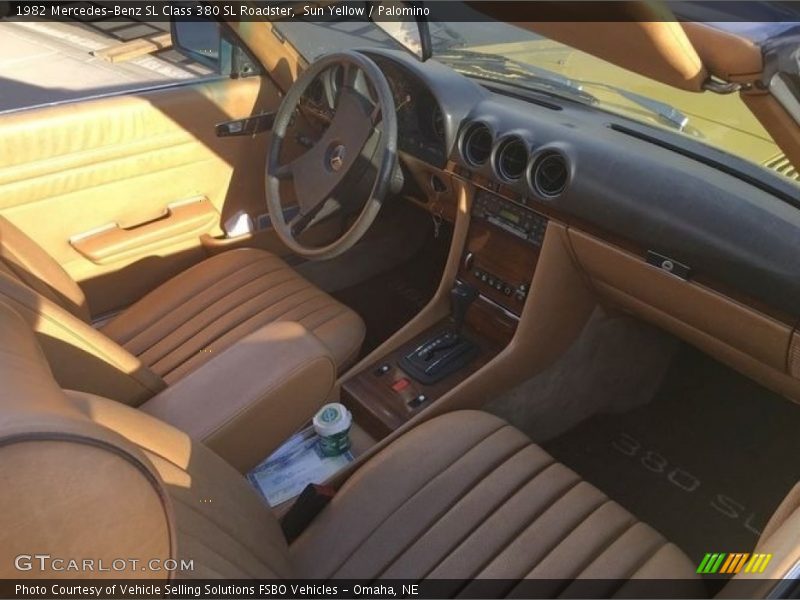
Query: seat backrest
x=88 y=478
x=25 y=260
x=80 y=357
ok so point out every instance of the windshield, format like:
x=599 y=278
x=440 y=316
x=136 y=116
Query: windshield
x=500 y=52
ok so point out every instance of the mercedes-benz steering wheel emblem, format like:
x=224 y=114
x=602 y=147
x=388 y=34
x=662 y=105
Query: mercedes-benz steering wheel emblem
x=336 y=159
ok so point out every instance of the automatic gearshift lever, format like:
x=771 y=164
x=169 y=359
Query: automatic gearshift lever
x=448 y=350
x=461 y=297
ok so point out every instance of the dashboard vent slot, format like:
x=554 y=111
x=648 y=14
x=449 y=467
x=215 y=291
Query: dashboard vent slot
x=781 y=164
x=549 y=174
x=511 y=158
x=477 y=144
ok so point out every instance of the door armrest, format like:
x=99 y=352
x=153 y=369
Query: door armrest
x=114 y=243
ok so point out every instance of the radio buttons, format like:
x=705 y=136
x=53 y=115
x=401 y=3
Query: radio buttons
x=501 y=286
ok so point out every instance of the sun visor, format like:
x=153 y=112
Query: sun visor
x=727 y=56
x=637 y=36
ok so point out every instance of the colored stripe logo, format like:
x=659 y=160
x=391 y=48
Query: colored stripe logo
x=733 y=563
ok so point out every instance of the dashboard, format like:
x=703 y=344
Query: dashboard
x=697 y=241
x=652 y=189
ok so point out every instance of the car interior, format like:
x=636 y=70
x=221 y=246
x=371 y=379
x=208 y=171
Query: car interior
x=569 y=342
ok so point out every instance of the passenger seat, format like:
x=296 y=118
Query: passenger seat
x=462 y=496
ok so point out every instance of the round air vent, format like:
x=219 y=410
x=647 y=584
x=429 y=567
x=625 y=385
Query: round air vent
x=510 y=158
x=477 y=144
x=549 y=174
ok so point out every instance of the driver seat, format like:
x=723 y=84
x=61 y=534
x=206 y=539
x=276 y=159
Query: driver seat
x=172 y=330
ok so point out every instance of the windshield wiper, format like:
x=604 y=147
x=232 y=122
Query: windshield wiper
x=497 y=67
x=666 y=112
x=501 y=68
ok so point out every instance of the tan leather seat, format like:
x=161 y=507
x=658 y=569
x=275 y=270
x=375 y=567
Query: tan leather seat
x=468 y=496
x=464 y=495
x=174 y=329
x=179 y=325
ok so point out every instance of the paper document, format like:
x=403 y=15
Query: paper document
x=288 y=470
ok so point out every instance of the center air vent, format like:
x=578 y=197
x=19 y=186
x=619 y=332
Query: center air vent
x=549 y=174
x=476 y=146
x=510 y=158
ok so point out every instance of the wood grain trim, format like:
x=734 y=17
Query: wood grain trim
x=621 y=243
x=502 y=255
x=444 y=203
x=380 y=410
x=794 y=356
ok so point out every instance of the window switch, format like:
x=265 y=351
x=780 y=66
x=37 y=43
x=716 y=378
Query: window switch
x=382 y=370
x=418 y=401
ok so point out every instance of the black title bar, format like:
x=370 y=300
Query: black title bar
x=432 y=10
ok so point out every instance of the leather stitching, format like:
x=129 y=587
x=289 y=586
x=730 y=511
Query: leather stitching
x=425 y=484
x=525 y=525
x=208 y=316
x=248 y=319
x=214 y=339
x=477 y=478
x=487 y=510
x=147 y=326
x=207 y=519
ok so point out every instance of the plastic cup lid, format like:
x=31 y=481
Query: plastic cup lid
x=331 y=419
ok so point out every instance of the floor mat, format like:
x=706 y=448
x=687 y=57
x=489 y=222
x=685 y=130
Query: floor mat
x=706 y=463
x=390 y=300
x=555 y=400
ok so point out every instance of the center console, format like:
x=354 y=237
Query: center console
x=502 y=250
x=493 y=281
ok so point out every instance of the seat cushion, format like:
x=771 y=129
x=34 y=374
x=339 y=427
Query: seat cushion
x=178 y=326
x=467 y=496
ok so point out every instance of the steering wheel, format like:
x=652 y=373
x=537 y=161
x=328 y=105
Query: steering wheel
x=317 y=172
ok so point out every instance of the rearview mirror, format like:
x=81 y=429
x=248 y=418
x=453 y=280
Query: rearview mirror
x=405 y=23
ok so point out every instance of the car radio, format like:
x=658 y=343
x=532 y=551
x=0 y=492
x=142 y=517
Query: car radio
x=511 y=217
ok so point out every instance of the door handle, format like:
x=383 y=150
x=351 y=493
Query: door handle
x=247 y=126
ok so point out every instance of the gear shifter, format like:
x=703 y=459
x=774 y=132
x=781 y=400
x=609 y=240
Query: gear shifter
x=461 y=297
x=447 y=351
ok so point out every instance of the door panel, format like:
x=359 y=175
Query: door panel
x=122 y=163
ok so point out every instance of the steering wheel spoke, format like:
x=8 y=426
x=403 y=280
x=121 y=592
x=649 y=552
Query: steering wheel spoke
x=375 y=116
x=285 y=171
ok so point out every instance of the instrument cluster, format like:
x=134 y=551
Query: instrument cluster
x=420 y=121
